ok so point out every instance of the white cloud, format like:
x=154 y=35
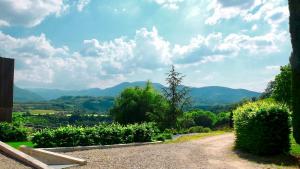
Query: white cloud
x=248 y=10
x=29 y=12
x=81 y=4
x=169 y=4
x=3 y=23
x=39 y=63
x=254 y=27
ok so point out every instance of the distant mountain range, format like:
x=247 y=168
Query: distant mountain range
x=212 y=95
x=23 y=95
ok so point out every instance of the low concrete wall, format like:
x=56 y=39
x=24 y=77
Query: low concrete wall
x=52 y=158
x=20 y=156
x=82 y=148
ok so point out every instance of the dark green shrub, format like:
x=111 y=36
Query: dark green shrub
x=144 y=132
x=163 y=136
x=44 y=138
x=185 y=122
x=111 y=134
x=223 y=120
x=198 y=129
x=262 y=128
x=12 y=132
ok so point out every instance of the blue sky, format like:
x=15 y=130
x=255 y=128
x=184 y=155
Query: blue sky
x=78 y=44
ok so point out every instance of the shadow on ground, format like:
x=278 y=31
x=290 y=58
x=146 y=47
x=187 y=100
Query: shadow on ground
x=280 y=160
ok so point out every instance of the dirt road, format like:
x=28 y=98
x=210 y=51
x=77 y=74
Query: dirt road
x=207 y=153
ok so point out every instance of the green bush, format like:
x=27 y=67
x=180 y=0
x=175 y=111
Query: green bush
x=223 y=120
x=104 y=134
x=262 y=128
x=163 y=136
x=12 y=132
x=197 y=118
x=198 y=129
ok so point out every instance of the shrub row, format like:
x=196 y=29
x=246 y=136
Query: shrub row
x=12 y=132
x=102 y=134
x=262 y=128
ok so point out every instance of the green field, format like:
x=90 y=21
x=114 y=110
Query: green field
x=42 y=112
x=195 y=136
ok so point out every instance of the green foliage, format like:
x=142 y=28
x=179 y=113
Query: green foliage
x=135 y=105
x=59 y=119
x=223 y=120
x=104 y=134
x=198 y=129
x=295 y=148
x=186 y=121
x=197 y=118
x=268 y=91
x=262 y=127
x=282 y=87
x=13 y=132
x=163 y=136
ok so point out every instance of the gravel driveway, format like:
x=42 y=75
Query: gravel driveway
x=8 y=163
x=211 y=152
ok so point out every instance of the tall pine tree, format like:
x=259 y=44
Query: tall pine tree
x=177 y=96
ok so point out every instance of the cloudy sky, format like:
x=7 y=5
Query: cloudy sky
x=77 y=44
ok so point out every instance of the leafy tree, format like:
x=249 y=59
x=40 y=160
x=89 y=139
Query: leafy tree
x=282 y=86
x=134 y=104
x=177 y=96
x=268 y=91
x=204 y=118
x=294 y=7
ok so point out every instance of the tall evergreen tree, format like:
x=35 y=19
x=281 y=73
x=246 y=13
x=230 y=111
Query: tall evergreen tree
x=294 y=7
x=177 y=96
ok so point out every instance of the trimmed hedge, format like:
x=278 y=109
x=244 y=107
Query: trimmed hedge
x=262 y=128
x=12 y=132
x=103 y=134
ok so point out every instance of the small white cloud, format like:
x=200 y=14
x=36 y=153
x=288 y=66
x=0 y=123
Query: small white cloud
x=254 y=27
x=4 y=23
x=81 y=4
x=169 y=4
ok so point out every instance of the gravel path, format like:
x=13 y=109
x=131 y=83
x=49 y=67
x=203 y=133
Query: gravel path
x=8 y=163
x=211 y=152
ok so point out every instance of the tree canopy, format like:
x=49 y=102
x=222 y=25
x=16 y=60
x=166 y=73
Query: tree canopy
x=135 y=104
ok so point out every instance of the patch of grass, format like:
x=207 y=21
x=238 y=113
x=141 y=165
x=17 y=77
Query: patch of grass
x=186 y=138
x=295 y=148
x=18 y=144
x=42 y=112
